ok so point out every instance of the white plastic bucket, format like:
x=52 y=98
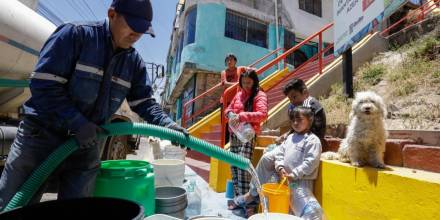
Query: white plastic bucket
x=168 y=172
x=174 y=152
x=274 y=216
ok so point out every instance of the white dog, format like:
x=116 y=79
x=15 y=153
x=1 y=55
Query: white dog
x=366 y=134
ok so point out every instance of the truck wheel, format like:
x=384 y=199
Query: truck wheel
x=116 y=148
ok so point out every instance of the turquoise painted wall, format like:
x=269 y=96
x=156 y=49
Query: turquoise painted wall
x=272 y=37
x=272 y=44
x=210 y=46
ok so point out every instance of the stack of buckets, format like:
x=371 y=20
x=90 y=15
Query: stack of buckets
x=158 y=192
x=171 y=198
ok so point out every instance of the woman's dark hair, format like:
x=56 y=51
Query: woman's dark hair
x=304 y=111
x=294 y=84
x=254 y=90
x=230 y=55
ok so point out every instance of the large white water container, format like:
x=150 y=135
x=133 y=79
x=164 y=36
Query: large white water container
x=168 y=172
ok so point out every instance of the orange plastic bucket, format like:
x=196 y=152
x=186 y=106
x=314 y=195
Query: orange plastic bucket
x=278 y=199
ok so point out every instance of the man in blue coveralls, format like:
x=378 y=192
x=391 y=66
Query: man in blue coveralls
x=84 y=73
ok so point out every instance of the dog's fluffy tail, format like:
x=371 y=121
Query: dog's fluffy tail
x=330 y=155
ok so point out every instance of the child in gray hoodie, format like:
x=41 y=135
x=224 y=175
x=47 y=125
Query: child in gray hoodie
x=297 y=159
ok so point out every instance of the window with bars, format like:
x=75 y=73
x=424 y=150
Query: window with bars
x=311 y=6
x=245 y=29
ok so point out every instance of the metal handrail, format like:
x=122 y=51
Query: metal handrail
x=278 y=59
x=301 y=67
x=296 y=47
x=197 y=113
x=419 y=18
x=185 y=106
x=184 y=119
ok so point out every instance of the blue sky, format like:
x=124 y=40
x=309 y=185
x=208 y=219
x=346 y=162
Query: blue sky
x=151 y=49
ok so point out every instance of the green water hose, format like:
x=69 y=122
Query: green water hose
x=14 y=83
x=37 y=178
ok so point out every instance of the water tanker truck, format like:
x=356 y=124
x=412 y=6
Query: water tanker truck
x=22 y=34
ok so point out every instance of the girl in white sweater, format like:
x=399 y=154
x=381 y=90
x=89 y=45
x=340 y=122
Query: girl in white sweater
x=297 y=159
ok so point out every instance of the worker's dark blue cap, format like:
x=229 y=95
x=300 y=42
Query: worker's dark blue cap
x=137 y=13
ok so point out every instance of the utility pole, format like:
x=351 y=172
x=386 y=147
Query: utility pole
x=154 y=72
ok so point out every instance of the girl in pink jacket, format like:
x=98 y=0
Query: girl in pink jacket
x=248 y=105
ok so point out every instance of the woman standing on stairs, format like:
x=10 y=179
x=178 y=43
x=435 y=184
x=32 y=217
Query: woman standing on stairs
x=248 y=105
x=229 y=77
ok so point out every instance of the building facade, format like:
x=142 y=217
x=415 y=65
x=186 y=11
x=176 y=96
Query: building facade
x=206 y=30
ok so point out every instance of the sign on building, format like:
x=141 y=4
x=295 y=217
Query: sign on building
x=353 y=20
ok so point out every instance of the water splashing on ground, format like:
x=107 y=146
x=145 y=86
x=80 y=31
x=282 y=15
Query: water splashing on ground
x=257 y=184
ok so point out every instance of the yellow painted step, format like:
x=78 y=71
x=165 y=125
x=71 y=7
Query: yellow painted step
x=347 y=192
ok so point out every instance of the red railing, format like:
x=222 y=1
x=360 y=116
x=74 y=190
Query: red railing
x=301 y=67
x=425 y=9
x=214 y=103
x=280 y=58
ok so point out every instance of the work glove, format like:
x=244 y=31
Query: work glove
x=178 y=128
x=87 y=135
